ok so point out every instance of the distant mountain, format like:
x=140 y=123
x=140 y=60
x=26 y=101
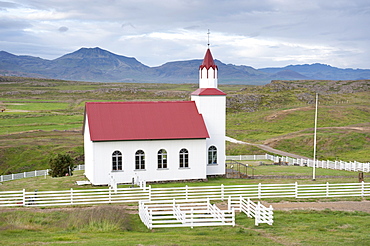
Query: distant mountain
x=322 y=72
x=287 y=74
x=96 y=64
x=22 y=64
x=228 y=73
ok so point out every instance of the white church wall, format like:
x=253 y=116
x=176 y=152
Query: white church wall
x=88 y=152
x=213 y=110
x=103 y=161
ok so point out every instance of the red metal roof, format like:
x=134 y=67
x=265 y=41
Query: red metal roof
x=208 y=92
x=208 y=61
x=110 y=121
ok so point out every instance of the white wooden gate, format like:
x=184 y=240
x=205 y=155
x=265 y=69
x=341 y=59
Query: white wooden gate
x=184 y=213
x=258 y=211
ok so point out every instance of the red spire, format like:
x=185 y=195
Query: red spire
x=208 y=61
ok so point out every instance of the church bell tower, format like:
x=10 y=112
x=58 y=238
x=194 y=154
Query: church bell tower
x=211 y=103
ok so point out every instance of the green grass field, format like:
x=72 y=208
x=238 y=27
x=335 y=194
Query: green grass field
x=112 y=225
x=45 y=117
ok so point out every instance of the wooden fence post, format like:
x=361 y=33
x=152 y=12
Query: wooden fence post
x=248 y=206
x=241 y=203
x=222 y=192
x=110 y=194
x=192 y=217
x=327 y=189
x=150 y=193
x=150 y=213
x=24 y=197
x=259 y=190
x=296 y=189
x=71 y=195
x=257 y=214
x=233 y=215
x=186 y=192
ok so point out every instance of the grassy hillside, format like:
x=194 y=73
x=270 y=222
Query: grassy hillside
x=45 y=117
x=283 y=118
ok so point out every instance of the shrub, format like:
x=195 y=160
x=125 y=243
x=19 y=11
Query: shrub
x=61 y=165
x=99 y=219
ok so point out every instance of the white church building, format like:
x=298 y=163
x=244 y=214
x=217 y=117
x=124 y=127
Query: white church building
x=158 y=140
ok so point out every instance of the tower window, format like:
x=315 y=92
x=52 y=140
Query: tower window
x=162 y=158
x=184 y=158
x=139 y=160
x=212 y=155
x=117 y=161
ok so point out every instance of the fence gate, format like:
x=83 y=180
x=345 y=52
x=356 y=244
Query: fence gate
x=184 y=213
x=258 y=211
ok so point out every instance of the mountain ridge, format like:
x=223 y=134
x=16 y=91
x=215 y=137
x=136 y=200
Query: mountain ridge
x=99 y=65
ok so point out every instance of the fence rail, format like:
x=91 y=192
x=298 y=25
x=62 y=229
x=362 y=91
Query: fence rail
x=221 y=192
x=337 y=165
x=31 y=174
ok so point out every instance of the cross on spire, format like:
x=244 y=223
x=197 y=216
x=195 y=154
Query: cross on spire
x=208 y=33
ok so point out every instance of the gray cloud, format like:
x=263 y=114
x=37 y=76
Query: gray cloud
x=258 y=33
x=63 y=29
x=7 y=5
x=9 y=24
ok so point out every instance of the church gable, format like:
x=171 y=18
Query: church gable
x=113 y=121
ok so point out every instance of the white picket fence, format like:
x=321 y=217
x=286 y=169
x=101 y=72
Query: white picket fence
x=31 y=174
x=221 y=192
x=258 y=211
x=337 y=165
x=184 y=213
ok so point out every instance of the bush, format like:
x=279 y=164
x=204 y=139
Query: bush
x=99 y=219
x=61 y=165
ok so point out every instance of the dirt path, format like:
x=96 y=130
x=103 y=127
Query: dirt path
x=267 y=148
x=363 y=206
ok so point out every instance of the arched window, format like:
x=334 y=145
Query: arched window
x=116 y=161
x=140 y=159
x=212 y=155
x=184 y=158
x=162 y=158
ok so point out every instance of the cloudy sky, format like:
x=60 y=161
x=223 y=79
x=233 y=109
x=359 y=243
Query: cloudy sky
x=257 y=33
